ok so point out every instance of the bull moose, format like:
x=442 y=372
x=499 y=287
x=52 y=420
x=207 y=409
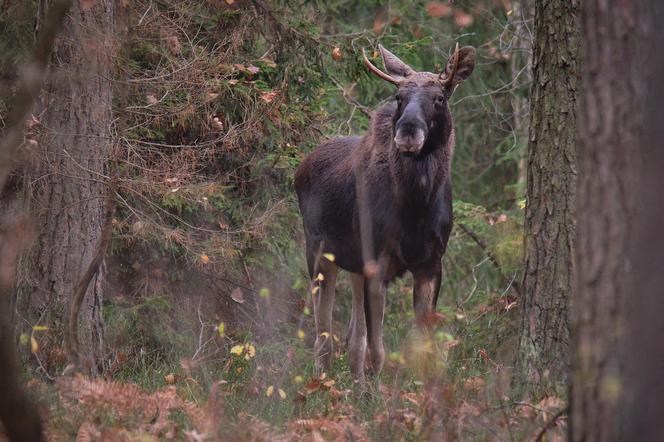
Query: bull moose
x=379 y=205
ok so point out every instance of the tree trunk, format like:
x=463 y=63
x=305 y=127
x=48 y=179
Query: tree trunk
x=617 y=358
x=68 y=179
x=549 y=225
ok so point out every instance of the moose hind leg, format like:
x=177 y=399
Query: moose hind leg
x=425 y=291
x=356 y=339
x=323 y=301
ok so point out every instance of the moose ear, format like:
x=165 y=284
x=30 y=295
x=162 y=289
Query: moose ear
x=460 y=66
x=395 y=67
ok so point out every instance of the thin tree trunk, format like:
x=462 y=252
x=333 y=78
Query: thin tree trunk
x=541 y=363
x=68 y=181
x=521 y=44
x=610 y=311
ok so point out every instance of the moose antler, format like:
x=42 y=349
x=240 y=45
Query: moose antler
x=449 y=78
x=377 y=71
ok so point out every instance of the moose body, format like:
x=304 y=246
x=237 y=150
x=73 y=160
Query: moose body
x=382 y=205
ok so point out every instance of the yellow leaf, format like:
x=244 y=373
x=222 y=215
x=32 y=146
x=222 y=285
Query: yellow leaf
x=237 y=350
x=23 y=339
x=269 y=391
x=39 y=328
x=205 y=259
x=300 y=334
x=315 y=290
x=320 y=277
x=251 y=351
x=34 y=345
x=298 y=379
x=282 y=394
x=325 y=334
x=329 y=256
x=264 y=293
x=222 y=329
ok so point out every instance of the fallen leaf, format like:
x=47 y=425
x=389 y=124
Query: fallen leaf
x=463 y=19
x=251 y=351
x=268 y=97
x=336 y=54
x=312 y=386
x=237 y=350
x=438 y=9
x=269 y=63
x=169 y=378
x=282 y=394
x=237 y=296
x=34 y=345
x=269 y=391
x=252 y=69
x=205 y=259
x=329 y=256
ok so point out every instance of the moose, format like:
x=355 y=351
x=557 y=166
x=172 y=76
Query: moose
x=380 y=205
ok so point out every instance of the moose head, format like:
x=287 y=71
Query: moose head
x=422 y=97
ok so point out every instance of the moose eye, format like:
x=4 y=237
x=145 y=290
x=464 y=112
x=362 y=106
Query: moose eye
x=440 y=98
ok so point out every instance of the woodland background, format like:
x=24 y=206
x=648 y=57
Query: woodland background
x=165 y=142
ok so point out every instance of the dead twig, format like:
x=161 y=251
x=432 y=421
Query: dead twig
x=482 y=245
x=73 y=345
x=551 y=423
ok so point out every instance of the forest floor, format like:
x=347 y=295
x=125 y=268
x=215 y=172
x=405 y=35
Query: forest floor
x=263 y=386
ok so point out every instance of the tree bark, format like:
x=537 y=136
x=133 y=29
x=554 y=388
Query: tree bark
x=542 y=362
x=68 y=180
x=618 y=285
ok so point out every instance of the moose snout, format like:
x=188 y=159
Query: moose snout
x=410 y=138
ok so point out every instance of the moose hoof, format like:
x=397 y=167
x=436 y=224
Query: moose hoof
x=377 y=358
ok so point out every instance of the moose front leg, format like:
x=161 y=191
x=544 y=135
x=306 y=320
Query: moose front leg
x=323 y=301
x=427 y=281
x=375 y=294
